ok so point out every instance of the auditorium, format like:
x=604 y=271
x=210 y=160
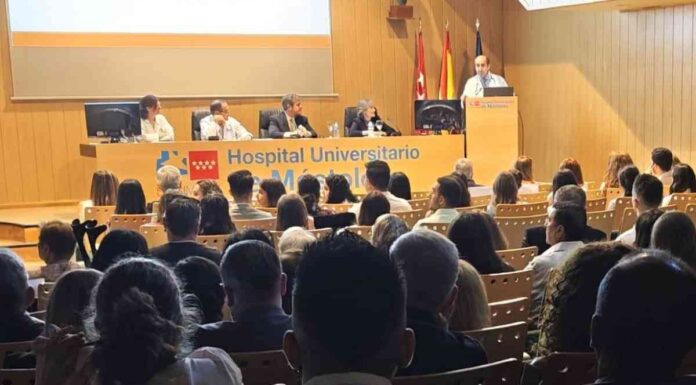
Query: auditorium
x=347 y=192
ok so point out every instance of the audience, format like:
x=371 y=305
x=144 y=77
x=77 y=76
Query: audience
x=560 y=179
x=565 y=229
x=270 y=190
x=377 y=176
x=201 y=283
x=647 y=194
x=249 y=235
x=338 y=190
x=661 y=166
x=430 y=264
x=470 y=233
x=372 y=206
x=56 y=248
x=683 y=181
x=114 y=244
x=471 y=311
x=139 y=328
x=309 y=188
x=444 y=199
x=674 y=232
x=70 y=298
x=465 y=198
x=642 y=332
x=617 y=161
x=15 y=297
x=573 y=166
x=204 y=187
x=504 y=192
x=102 y=191
x=386 y=230
x=130 y=198
x=291 y=246
x=400 y=186
x=164 y=201
x=627 y=176
x=241 y=188
x=524 y=166
x=465 y=167
x=167 y=178
x=644 y=227
x=566 y=317
x=292 y=212
x=500 y=242
x=215 y=217
x=255 y=284
x=345 y=333
x=182 y=221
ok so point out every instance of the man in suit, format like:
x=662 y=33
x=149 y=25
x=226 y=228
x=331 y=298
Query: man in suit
x=536 y=236
x=241 y=187
x=290 y=123
x=465 y=167
x=429 y=262
x=181 y=220
x=255 y=284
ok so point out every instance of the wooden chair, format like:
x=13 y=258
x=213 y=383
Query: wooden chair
x=419 y=204
x=502 y=342
x=130 y=222
x=506 y=286
x=601 y=220
x=17 y=376
x=215 y=241
x=261 y=224
x=595 y=194
x=622 y=204
x=318 y=234
x=271 y=210
x=628 y=219
x=469 y=209
x=411 y=217
x=539 y=197
x=567 y=368
x=590 y=186
x=481 y=201
x=337 y=207
x=518 y=258
x=691 y=212
x=510 y=311
x=359 y=196
x=363 y=231
x=613 y=192
x=506 y=372
x=44 y=292
x=8 y=348
x=681 y=200
x=545 y=187
x=265 y=368
x=420 y=194
x=514 y=228
x=521 y=210
x=592 y=205
x=154 y=234
x=441 y=228
x=99 y=213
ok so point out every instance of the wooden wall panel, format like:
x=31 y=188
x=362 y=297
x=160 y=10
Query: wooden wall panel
x=372 y=58
x=595 y=81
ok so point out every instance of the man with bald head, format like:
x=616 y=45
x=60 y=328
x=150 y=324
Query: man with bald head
x=484 y=78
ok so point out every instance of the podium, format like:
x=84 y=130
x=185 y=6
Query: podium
x=492 y=137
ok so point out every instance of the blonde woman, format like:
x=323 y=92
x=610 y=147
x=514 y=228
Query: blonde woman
x=472 y=311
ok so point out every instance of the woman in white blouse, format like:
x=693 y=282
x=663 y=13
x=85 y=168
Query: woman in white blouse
x=154 y=126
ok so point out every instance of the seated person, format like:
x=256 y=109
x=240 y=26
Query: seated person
x=675 y=232
x=168 y=178
x=215 y=215
x=219 y=124
x=430 y=264
x=683 y=181
x=662 y=162
x=241 y=188
x=504 y=192
x=400 y=185
x=115 y=245
x=56 y=248
x=255 y=284
x=617 y=161
x=663 y=312
x=270 y=191
x=471 y=311
x=292 y=211
x=524 y=166
x=204 y=187
x=366 y=123
x=377 y=176
x=374 y=205
x=290 y=123
x=291 y=246
x=386 y=230
x=154 y=126
x=201 y=278
x=337 y=190
x=627 y=175
x=342 y=332
x=444 y=199
x=102 y=192
x=573 y=166
x=647 y=194
x=475 y=244
x=182 y=220
x=130 y=198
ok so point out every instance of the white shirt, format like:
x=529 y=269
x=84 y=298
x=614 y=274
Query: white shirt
x=528 y=188
x=480 y=191
x=628 y=237
x=542 y=265
x=474 y=86
x=439 y=216
x=233 y=130
x=162 y=131
x=666 y=178
x=396 y=204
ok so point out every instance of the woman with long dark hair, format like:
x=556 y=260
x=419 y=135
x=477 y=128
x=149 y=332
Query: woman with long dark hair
x=130 y=198
x=470 y=233
x=338 y=190
x=154 y=126
x=270 y=191
x=215 y=216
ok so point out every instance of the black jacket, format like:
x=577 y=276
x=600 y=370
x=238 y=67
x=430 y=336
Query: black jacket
x=279 y=125
x=359 y=124
x=173 y=252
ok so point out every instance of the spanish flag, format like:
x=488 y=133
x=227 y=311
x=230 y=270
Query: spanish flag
x=446 y=70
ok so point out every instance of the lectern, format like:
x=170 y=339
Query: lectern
x=492 y=137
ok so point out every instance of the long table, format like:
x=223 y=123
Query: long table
x=422 y=158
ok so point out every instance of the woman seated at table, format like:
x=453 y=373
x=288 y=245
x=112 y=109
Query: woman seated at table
x=154 y=126
x=367 y=116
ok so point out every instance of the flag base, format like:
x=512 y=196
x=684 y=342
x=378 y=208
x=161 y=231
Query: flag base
x=400 y=12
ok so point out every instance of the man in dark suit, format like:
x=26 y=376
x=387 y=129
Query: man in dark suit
x=536 y=236
x=182 y=219
x=290 y=123
x=255 y=284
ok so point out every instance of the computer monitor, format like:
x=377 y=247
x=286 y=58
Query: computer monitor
x=439 y=115
x=113 y=120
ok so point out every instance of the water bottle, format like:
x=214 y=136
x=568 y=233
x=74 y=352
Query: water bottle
x=370 y=128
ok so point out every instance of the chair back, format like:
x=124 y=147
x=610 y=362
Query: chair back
x=265 y=368
x=271 y=210
x=363 y=231
x=521 y=209
x=691 y=212
x=545 y=187
x=101 y=214
x=681 y=200
x=601 y=220
x=411 y=217
x=265 y=116
x=518 y=258
x=613 y=192
x=349 y=114
x=622 y=203
x=8 y=348
x=130 y=221
x=337 y=207
x=261 y=224
x=17 y=376
x=506 y=286
x=441 y=228
x=514 y=228
x=317 y=233
x=568 y=368
x=539 y=197
x=595 y=194
x=196 y=116
x=420 y=194
x=591 y=186
x=418 y=204
x=510 y=311
x=506 y=372
x=214 y=241
x=483 y=200
x=502 y=342
x=628 y=219
x=44 y=293
x=154 y=234
x=469 y=209
x=599 y=204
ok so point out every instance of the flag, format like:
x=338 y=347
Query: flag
x=203 y=165
x=421 y=85
x=479 y=46
x=446 y=70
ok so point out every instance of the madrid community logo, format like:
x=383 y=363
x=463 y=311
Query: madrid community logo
x=196 y=164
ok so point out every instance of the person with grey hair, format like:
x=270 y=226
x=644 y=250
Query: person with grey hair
x=291 y=246
x=290 y=123
x=386 y=230
x=368 y=122
x=168 y=177
x=15 y=297
x=465 y=167
x=430 y=264
x=219 y=125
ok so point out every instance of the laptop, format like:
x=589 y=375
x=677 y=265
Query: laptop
x=498 y=91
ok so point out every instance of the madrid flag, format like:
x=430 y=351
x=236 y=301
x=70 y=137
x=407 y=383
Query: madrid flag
x=421 y=86
x=446 y=70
